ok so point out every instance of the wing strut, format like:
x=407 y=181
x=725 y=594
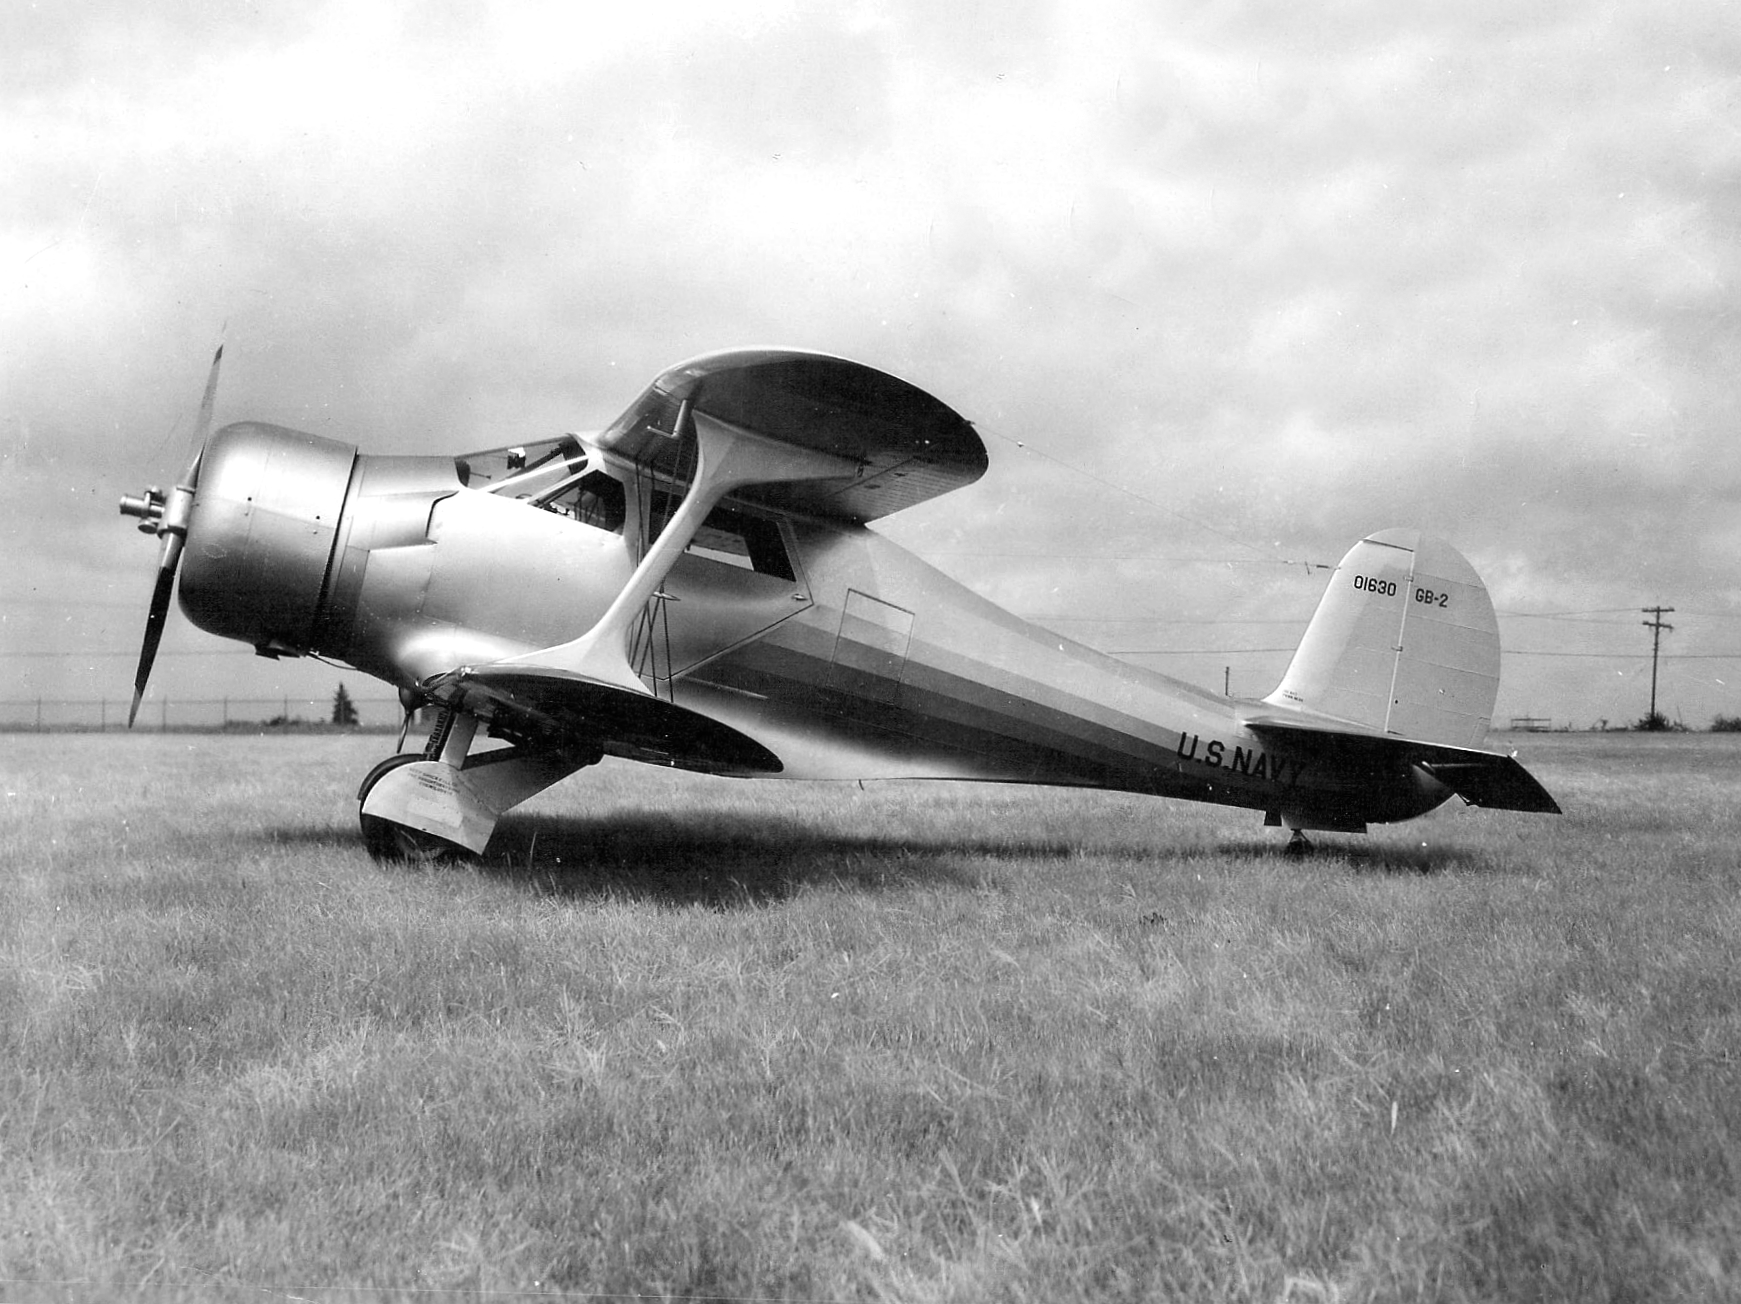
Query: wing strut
x=727 y=458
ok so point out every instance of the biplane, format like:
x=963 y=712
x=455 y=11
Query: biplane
x=700 y=585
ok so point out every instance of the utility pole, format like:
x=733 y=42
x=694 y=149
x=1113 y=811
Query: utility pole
x=1657 y=629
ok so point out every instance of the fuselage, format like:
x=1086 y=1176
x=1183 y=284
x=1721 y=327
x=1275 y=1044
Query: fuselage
x=839 y=651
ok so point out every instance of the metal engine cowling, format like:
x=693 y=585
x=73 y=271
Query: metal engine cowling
x=260 y=539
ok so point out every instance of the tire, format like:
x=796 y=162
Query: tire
x=388 y=841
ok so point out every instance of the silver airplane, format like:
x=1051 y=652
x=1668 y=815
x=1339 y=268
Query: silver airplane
x=698 y=586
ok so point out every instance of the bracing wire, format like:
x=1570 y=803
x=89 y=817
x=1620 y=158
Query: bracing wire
x=1177 y=515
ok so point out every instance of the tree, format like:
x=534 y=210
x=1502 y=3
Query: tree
x=344 y=711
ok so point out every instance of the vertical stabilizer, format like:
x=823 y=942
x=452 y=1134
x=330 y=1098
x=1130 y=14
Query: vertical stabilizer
x=1404 y=641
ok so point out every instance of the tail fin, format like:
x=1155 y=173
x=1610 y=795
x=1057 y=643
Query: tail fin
x=1404 y=642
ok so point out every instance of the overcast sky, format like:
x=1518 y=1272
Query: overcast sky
x=1225 y=287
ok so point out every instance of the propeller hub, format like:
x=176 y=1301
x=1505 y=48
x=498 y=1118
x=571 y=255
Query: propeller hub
x=148 y=507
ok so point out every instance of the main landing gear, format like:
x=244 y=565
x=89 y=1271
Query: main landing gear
x=386 y=840
x=444 y=804
x=1299 y=845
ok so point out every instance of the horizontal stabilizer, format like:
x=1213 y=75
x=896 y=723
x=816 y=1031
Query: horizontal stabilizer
x=1481 y=778
x=548 y=706
x=1494 y=781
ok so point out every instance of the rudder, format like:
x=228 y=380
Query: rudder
x=1404 y=642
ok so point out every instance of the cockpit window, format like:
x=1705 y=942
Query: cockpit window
x=592 y=499
x=734 y=537
x=740 y=539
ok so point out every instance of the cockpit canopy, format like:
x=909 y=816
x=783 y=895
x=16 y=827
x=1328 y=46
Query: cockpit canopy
x=557 y=475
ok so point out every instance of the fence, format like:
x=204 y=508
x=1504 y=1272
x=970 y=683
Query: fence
x=42 y=714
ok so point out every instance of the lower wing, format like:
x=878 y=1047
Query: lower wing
x=548 y=709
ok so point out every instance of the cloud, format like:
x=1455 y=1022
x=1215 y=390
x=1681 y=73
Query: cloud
x=1285 y=274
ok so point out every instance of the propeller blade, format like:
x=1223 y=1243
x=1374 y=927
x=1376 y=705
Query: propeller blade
x=171 y=514
x=409 y=701
x=154 y=620
x=203 y=426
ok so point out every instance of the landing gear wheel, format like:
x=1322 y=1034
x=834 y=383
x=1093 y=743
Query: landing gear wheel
x=387 y=841
x=1298 y=845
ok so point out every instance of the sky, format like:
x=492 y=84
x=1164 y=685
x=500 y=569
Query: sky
x=1224 y=287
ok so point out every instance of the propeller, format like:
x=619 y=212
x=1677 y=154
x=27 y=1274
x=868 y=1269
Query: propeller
x=167 y=515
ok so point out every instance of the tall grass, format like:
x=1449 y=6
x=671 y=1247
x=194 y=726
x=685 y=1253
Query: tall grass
x=690 y=1038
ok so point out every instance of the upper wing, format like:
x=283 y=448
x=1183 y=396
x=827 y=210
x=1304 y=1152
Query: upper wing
x=1480 y=778
x=907 y=445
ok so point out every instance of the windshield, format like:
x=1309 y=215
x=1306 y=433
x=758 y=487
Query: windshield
x=522 y=470
x=553 y=474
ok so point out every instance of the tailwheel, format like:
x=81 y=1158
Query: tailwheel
x=389 y=841
x=1298 y=845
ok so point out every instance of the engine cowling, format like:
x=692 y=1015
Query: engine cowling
x=261 y=536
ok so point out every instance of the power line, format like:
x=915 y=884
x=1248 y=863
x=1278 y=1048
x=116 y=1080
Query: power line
x=1587 y=656
x=1509 y=652
x=1193 y=651
x=132 y=652
x=1629 y=656
x=1163 y=620
x=113 y=604
x=1566 y=615
x=1701 y=656
x=1102 y=556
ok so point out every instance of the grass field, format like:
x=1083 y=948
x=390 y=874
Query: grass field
x=716 y=1040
